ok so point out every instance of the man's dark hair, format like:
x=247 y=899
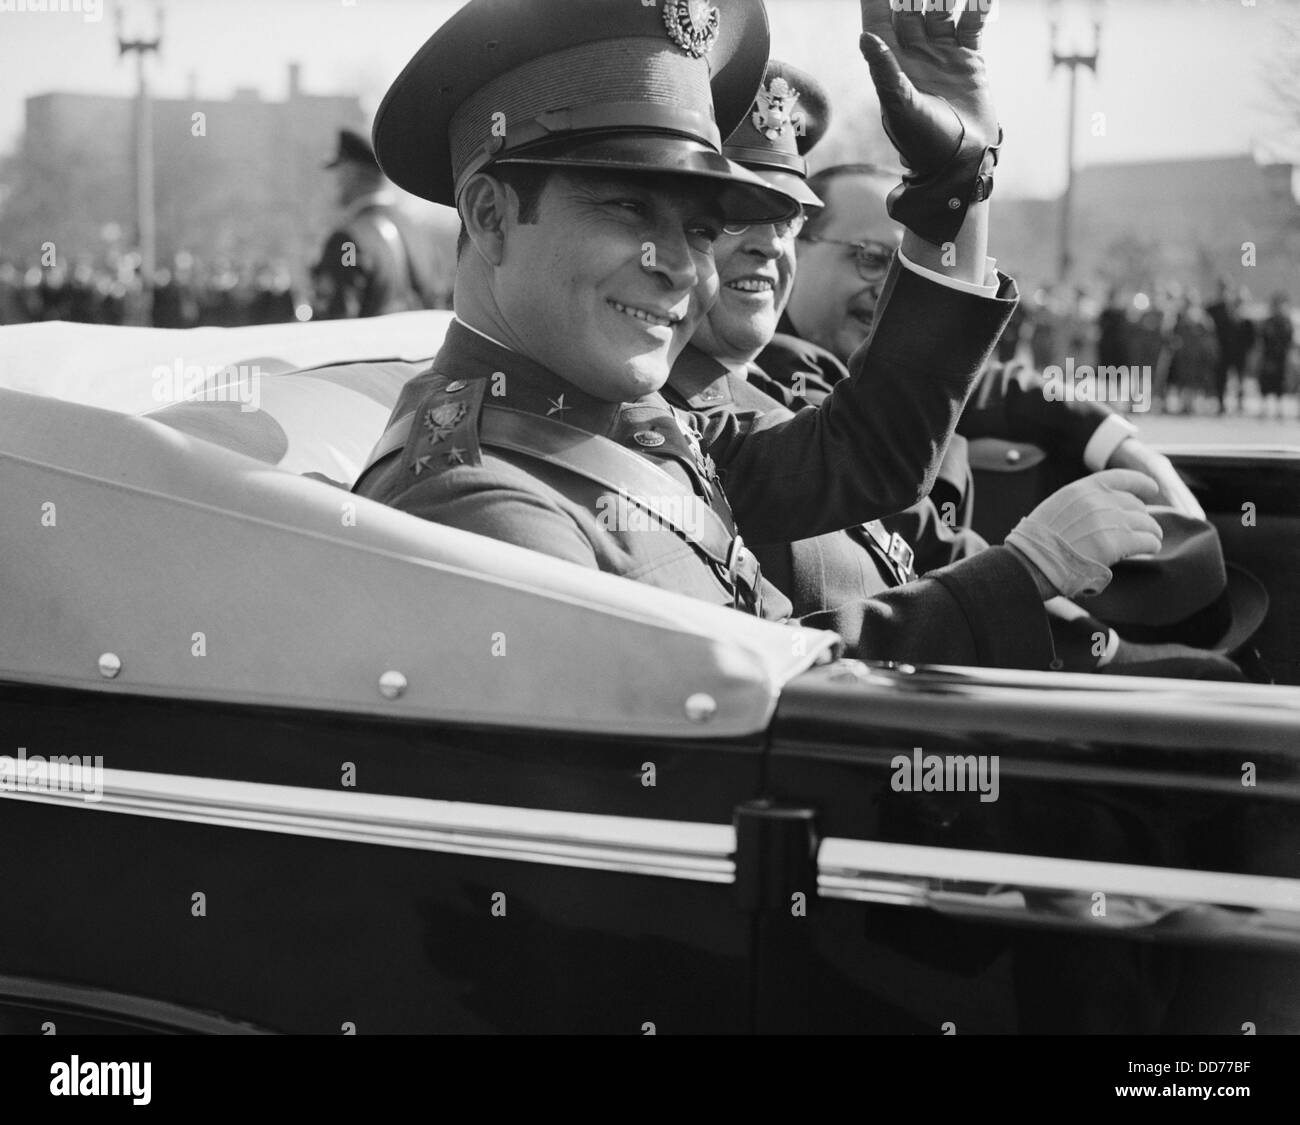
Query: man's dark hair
x=528 y=182
x=821 y=182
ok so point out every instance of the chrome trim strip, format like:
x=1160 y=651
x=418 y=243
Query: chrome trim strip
x=667 y=848
x=52 y=999
x=1046 y=889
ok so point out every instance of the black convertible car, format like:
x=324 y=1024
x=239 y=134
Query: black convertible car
x=277 y=758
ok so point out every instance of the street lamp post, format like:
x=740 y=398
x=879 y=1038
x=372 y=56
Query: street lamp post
x=1073 y=62
x=146 y=239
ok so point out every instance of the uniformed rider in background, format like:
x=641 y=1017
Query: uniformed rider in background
x=371 y=263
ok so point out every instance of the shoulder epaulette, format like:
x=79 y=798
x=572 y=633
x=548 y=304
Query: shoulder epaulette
x=444 y=427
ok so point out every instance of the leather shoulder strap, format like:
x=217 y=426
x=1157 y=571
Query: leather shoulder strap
x=624 y=475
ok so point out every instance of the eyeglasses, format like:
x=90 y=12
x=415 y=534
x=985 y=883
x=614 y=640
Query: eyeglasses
x=871 y=258
x=786 y=228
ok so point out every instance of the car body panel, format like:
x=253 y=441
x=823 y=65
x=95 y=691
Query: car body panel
x=553 y=840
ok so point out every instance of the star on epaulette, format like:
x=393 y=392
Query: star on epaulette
x=422 y=463
x=455 y=455
x=557 y=407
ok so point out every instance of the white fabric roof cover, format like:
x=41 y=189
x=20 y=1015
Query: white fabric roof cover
x=121 y=535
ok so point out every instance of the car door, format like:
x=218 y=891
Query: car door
x=1101 y=855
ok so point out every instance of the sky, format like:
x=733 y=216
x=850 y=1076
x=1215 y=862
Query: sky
x=1176 y=78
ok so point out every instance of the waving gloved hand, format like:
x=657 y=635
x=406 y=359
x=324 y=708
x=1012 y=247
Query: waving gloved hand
x=1074 y=536
x=936 y=108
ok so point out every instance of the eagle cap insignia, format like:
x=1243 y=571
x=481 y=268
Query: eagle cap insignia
x=776 y=110
x=692 y=25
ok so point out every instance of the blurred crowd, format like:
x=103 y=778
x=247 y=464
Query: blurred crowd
x=1215 y=356
x=187 y=294
x=1205 y=356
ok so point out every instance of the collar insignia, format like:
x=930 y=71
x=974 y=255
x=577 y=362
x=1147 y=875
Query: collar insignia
x=441 y=421
x=692 y=25
x=776 y=110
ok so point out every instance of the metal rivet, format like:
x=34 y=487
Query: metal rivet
x=110 y=664
x=954 y=204
x=392 y=685
x=700 y=708
x=1013 y=455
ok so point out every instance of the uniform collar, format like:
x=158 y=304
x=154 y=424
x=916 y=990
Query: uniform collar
x=700 y=380
x=518 y=383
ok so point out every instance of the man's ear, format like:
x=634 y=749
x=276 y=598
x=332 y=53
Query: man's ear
x=485 y=207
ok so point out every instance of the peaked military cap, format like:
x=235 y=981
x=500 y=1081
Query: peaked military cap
x=353 y=148
x=790 y=114
x=617 y=85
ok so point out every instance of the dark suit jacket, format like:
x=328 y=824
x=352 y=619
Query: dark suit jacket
x=984 y=610
x=874 y=447
x=1008 y=401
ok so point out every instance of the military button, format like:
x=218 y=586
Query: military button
x=649 y=439
x=1013 y=456
x=456 y=385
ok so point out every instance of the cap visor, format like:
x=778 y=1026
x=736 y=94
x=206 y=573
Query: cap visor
x=742 y=196
x=791 y=183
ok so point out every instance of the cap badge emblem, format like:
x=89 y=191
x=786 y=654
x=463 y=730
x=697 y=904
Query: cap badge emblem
x=775 y=111
x=441 y=421
x=649 y=439
x=692 y=25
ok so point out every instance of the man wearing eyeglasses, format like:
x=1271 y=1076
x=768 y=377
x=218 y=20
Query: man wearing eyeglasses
x=860 y=581
x=844 y=255
x=590 y=211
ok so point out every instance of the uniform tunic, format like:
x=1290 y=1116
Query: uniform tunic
x=984 y=610
x=873 y=448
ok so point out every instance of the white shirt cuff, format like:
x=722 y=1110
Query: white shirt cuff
x=988 y=289
x=1112 y=647
x=1106 y=438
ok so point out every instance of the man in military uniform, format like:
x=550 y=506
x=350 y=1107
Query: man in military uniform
x=584 y=160
x=367 y=266
x=861 y=576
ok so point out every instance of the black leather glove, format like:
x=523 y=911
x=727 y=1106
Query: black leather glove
x=936 y=108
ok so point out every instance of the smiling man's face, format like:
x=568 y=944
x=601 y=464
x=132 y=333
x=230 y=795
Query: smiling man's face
x=832 y=306
x=613 y=279
x=755 y=274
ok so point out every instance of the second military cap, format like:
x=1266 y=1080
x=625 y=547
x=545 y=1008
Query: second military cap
x=608 y=84
x=790 y=114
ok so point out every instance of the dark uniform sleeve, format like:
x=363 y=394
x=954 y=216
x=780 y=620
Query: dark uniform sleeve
x=874 y=447
x=1009 y=403
x=984 y=610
